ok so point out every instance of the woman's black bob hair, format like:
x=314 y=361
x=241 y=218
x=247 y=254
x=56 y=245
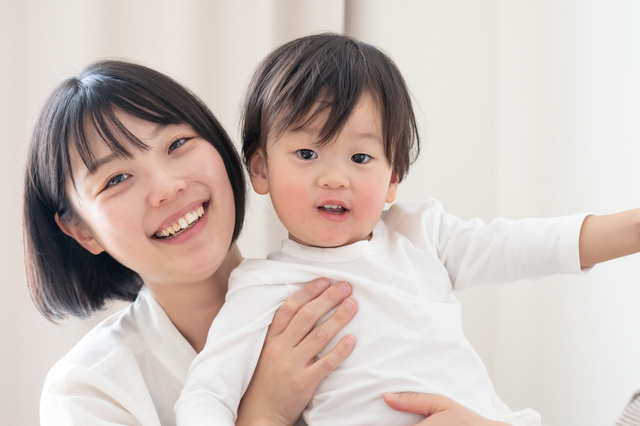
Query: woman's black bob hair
x=65 y=279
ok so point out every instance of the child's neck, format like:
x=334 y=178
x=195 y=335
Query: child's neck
x=310 y=244
x=192 y=307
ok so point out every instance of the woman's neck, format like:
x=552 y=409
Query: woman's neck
x=192 y=307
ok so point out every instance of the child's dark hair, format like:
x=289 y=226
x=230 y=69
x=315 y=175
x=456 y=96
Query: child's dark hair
x=328 y=73
x=63 y=277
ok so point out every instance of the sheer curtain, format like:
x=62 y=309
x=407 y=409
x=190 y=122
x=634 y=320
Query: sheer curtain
x=527 y=108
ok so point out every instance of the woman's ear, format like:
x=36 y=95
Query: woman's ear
x=81 y=234
x=393 y=187
x=258 y=172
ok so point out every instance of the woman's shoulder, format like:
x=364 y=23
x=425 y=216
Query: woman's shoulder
x=102 y=377
x=110 y=335
x=120 y=370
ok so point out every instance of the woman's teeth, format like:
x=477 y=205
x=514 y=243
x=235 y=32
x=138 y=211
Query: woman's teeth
x=182 y=223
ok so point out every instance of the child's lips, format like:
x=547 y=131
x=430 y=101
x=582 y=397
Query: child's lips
x=333 y=208
x=334 y=212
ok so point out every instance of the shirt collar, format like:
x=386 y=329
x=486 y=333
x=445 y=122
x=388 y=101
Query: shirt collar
x=163 y=338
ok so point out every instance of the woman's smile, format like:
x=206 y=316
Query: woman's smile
x=184 y=221
x=190 y=225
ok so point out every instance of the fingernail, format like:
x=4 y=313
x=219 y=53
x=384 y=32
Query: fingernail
x=391 y=395
x=343 y=287
x=349 y=304
x=351 y=340
x=322 y=282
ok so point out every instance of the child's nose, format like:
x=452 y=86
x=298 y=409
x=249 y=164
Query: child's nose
x=333 y=178
x=164 y=186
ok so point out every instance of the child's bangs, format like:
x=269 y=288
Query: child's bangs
x=324 y=88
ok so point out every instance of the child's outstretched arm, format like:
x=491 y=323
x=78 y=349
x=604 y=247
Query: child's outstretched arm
x=608 y=237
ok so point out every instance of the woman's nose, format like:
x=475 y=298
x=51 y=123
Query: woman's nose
x=333 y=178
x=165 y=187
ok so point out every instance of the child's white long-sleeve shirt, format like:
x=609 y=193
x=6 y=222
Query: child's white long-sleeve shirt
x=408 y=326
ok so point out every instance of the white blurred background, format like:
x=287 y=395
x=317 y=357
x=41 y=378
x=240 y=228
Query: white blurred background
x=527 y=108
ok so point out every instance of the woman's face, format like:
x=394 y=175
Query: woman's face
x=167 y=213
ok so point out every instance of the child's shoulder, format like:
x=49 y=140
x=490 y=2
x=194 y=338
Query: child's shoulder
x=259 y=272
x=421 y=210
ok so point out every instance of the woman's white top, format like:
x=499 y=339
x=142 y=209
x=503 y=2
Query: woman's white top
x=408 y=326
x=128 y=370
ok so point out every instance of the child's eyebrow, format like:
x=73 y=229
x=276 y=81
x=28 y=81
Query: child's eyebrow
x=370 y=135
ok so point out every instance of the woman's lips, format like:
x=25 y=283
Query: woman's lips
x=185 y=234
x=180 y=224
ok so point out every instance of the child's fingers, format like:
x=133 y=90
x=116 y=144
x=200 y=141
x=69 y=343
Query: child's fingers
x=292 y=305
x=307 y=316
x=325 y=365
x=320 y=336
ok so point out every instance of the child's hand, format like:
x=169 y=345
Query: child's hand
x=287 y=374
x=439 y=410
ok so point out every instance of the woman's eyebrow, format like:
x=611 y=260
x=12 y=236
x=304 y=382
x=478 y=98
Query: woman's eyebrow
x=97 y=164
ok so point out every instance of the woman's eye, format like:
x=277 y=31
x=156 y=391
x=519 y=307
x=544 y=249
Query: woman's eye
x=307 y=154
x=118 y=179
x=177 y=144
x=360 y=158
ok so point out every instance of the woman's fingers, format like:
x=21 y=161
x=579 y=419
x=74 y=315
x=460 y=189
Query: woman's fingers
x=332 y=359
x=307 y=316
x=292 y=305
x=417 y=403
x=320 y=336
x=439 y=410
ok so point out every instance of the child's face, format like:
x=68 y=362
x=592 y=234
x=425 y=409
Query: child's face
x=331 y=195
x=126 y=204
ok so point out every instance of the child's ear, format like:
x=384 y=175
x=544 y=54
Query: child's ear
x=81 y=234
x=393 y=187
x=258 y=173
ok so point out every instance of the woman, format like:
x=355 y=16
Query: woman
x=133 y=191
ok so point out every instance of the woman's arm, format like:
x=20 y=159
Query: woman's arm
x=439 y=410
x=287 y=374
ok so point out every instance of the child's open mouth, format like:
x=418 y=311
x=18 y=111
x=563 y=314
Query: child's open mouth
x=333 y=208
x=181 y=225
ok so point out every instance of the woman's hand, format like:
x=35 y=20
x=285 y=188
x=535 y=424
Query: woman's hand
x=439 y=410
x=287 y=374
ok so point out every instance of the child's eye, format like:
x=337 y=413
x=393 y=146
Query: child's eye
x=360 y=158
x=177 y=144
x=117 y=179
x=307 y=154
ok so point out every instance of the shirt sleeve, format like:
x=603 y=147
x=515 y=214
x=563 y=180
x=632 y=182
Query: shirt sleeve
x=220 y=374
x=504 y=250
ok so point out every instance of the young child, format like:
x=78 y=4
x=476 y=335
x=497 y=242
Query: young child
x=329 y=132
